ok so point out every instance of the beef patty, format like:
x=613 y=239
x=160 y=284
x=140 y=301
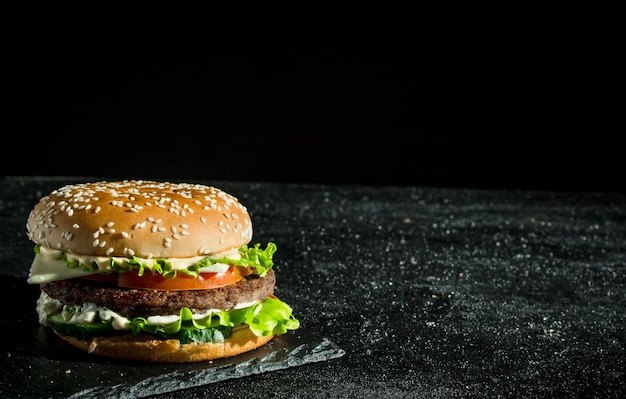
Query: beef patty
x=130 y=302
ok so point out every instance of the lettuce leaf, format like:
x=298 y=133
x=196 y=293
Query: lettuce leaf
x=269 y=317
x=254 y=256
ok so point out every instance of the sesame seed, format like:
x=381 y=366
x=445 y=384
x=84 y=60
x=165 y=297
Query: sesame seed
x=109 y=251
x=131 y=252
x=133 y=196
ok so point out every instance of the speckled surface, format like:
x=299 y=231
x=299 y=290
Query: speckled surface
x=430 y=292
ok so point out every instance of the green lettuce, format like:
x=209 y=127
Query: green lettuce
x=269 y=317
x=254 y=256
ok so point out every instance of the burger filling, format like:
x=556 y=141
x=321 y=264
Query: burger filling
x=51 y=265
x=161 y=297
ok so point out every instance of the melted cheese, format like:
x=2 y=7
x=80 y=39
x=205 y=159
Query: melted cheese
x=47 y=266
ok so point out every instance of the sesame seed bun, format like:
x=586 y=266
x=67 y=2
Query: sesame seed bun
x=145 y=349
x=139 y=218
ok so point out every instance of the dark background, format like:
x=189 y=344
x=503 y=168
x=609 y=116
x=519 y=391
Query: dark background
x=502 y=103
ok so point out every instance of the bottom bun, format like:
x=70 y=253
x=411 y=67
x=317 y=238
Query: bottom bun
x=147 y=349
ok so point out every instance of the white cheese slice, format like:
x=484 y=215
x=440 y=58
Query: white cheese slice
x=47 y=266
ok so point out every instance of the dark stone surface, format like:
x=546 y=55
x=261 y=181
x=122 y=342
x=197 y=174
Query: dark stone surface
x=431 y=292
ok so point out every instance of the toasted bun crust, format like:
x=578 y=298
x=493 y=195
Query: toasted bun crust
x=139 y=218
x=143 y=349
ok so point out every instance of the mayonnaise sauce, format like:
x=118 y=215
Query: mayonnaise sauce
x=47 y=266
x=88 y=312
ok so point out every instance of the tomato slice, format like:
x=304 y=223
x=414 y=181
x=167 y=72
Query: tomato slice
x=182 y=282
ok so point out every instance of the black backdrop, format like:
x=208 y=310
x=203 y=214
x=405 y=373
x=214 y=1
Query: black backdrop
x=506 y=104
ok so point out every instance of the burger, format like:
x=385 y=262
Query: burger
x=153 y=272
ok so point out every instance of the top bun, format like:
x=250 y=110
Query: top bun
x=140 y=218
